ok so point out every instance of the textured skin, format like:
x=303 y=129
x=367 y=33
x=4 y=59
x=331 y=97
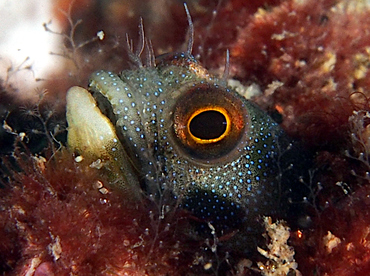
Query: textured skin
x=228 y=183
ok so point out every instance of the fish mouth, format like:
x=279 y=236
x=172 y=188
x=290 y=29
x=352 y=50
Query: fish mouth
x=92 y=135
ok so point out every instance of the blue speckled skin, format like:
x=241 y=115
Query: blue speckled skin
x=229 y=183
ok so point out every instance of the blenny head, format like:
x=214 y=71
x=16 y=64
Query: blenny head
x=171 y=128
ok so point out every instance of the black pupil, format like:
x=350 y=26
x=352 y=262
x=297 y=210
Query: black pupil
x=207 y=125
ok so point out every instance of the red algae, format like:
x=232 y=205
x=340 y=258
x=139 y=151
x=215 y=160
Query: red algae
x=60 y=217
x=300 y=44
x=340 y=245
x=310 y=59
x=218 y=26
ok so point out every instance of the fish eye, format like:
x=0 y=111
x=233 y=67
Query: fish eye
x=209 y=121
x=209 y=125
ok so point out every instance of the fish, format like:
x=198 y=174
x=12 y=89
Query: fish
x=169 y=130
